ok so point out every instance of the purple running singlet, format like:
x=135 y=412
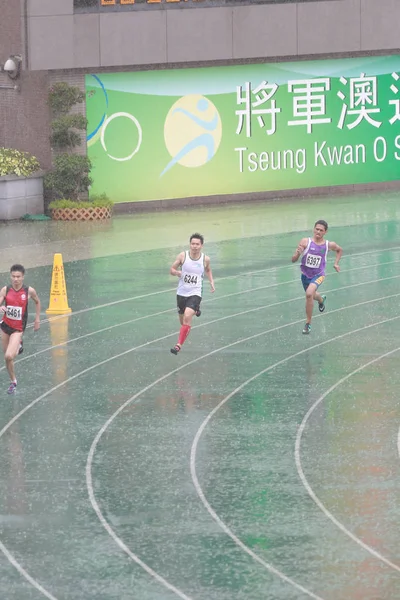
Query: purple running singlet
x=313 y=259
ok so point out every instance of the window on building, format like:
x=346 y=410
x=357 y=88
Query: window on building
x=90 y=4
x=85 y=3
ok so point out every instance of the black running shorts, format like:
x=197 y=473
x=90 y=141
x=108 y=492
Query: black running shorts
x=192 y=302
x=7 y=329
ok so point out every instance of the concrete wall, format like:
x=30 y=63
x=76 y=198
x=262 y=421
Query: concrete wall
x=24 y=114
x=20 y=196
x=60 y=39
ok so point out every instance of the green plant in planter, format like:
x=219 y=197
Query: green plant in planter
x=63 y=134
x=101 y=201
x=15 y=162
x=62 y=97
x=70 y=176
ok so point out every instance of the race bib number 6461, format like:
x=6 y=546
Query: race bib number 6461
x=14 y=312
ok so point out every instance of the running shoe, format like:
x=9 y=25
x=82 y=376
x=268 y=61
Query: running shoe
x=21 y=348
x=307 y=328
x=12 y=388
x=175 y=349
x=321 y=305
x=198 y=313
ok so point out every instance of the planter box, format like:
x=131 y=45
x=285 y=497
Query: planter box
x=81 y=214
x=20 y=196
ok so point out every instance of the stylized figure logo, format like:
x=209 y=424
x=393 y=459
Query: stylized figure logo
x=192 y=132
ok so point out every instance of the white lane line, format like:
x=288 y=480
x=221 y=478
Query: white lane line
x=269 y=269
x=205 y=324
x=3 y=548
x=110 y=531
x=116 y=356
x=24 y=573
x=398 y=442
x=304 y=480
x=202 y=427
x=89 y=480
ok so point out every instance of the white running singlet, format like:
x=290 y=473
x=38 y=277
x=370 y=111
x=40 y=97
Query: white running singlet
x=191 y=280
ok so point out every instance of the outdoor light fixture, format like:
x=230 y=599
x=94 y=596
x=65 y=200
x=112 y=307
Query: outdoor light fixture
x=12 y=66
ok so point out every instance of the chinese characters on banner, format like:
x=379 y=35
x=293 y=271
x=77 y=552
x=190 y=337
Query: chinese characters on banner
x=359 y=99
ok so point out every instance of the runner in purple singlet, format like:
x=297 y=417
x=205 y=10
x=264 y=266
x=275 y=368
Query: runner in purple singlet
x=313 y=252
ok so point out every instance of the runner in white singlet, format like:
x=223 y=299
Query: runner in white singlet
x=190 y=267
x=191 y=279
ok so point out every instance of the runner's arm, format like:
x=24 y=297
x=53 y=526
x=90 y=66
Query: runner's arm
x=178 y=263
x=3 y=292
x=299 y=250
x=32 y=294
x=207 y=268
x=339 y=251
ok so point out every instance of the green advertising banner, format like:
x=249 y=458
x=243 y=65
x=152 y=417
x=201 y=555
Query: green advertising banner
x=251 y=128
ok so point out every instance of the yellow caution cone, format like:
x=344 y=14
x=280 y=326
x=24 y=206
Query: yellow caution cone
x=58 y=304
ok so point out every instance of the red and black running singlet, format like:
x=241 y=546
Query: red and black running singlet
x=17 y=308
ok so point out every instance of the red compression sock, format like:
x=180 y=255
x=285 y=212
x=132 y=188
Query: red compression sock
x=184 y=332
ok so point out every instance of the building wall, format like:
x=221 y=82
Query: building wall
x=24 y=114
x=24 y=117
x=225 y=33
x=58 y=45
x=10 y=28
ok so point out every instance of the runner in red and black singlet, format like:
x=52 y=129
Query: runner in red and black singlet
x=15 y=315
